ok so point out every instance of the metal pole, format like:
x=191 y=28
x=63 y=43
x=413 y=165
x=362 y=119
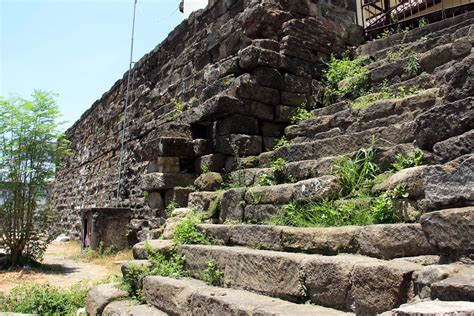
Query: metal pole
x=127 y=96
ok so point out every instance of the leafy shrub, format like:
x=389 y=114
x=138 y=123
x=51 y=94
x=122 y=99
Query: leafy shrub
x=45 y=299
x=187 y=232
x=301 y=115
x=170 y=208
x=345 y=78
x=406 y=161
x=278 y=175
x=266 y=180
x=358 y=173
x=212 y=274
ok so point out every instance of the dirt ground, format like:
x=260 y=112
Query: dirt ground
x=63 y=266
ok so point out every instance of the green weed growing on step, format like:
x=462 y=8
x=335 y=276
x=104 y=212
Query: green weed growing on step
x=266 y=179
x=345 y=77
x=301 y=114
x=212 y=274
x=187 y=232
x=382 y=207
x=386 y=33
x=358 y=173
x=205 y=168
x=408 y=161
x=394 y=56
x=423 y=22
x=145 y=195
x=278 y=175
x=172 y=266
x=385 y=94
x=172 y=205
x=412 y=66
x=282 y=142
x=132 y=281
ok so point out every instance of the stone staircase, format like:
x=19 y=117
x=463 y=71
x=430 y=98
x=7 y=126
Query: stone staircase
x=421 y=267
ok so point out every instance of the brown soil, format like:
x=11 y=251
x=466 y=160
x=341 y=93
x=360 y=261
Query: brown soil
x=63 y=266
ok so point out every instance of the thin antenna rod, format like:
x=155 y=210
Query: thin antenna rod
x=125 y=120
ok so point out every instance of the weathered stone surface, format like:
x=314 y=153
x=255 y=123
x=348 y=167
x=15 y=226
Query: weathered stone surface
x=163 y=246
x=454 y=147
x=379 y=286
x=427 y=276
x=330 y=240
x=145 y=310
x=200 y=201
x=435 y=308
x=178 y=196
x=245 y=145
x=232 y=205
x=253 y=236
x=412 y=177
x=213 y=162
x=449 y=184
x=188 y=296
x=237 y=124
x=256 y=270
x=119 y=308
x=155 y=200
x=393 y=240
x=279 y=194
x=163 y=181
x=458 y=286
x=317 y=189
x=450 y=231
x=210 y=181
x=100 y=296
x=167 y=147
x=328 y=279
x=443 y=122
x=261 y=213
x=164 y=165
x=182 y=212
x=306 y=169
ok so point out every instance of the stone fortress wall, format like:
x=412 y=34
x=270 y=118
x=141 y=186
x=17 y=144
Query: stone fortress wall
x=224 y=83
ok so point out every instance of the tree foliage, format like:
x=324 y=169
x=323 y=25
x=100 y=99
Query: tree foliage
x=31 y=147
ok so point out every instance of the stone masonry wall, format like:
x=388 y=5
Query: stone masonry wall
x=224 y=83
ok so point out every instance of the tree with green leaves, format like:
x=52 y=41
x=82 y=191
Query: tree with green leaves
x=31 y=148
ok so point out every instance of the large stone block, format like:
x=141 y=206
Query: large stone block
x=328 y=279
x=155 y=200
x=379 y=286
x=200 y=201
x=236 y=124
x=164 y=165
x=261 y=213
x=163 y=181
x=178 y=196
x=450 y=231
x=212 y=162
x=393 y=240
x=162 y=246
x=449 y=184
x=317 y=189
x=279 y=194
x=167 y=147
x=330 y=240
x=232 y=205
x=210 y=181
x=243 y=145
x=435 y=308
x=100 y=296
x=454 y=147
x=443 y=122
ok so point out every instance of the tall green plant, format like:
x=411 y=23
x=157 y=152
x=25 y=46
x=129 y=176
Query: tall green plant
x=31 y=147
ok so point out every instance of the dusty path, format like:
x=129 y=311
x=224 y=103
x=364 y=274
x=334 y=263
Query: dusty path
x=63 y=267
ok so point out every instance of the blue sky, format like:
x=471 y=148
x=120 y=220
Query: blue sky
x=76 y=48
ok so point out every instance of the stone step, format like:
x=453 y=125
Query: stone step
x=432 y=30
x=131 y=307
x=434 y=308
x=339 y=145
x=424 y=43
x=386 y=241
x=193 y=297
x=346 y=282
x=377 y=114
